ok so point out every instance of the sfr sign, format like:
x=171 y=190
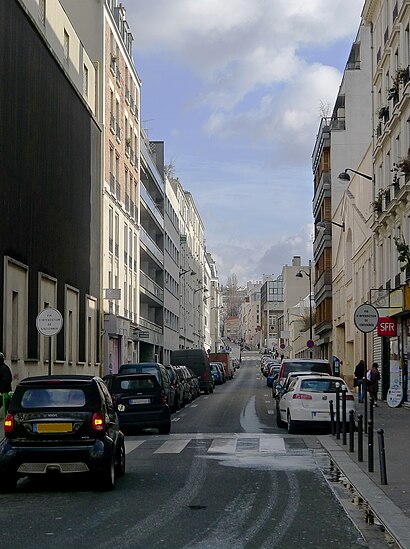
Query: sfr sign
x=387 y=327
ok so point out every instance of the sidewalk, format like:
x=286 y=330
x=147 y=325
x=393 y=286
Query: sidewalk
x=391 y=503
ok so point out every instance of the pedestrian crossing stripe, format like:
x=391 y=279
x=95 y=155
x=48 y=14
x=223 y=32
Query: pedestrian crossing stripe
x=220 y=443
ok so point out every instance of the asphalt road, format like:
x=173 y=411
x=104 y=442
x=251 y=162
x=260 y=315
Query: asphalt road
x=226 y=477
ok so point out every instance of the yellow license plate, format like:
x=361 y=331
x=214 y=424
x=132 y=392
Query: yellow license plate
x=54 y=427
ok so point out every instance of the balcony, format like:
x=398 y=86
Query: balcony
x=322 y=241
x=156 y=176
x=150 y=245
x=150 y=205
x=151 y=287
x=323 y=286
x=322 y=191
x=150 y=325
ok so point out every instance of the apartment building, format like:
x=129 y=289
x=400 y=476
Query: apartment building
x=390 y=50
x=271 y=308
x=214 y=305
x=50 y=151
x=250 y=316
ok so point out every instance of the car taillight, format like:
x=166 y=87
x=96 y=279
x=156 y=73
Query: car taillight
x=98 y=422
x=204 y=376
x=349 y=397
x=8 y=423
x=164 y=398
x=301 y=396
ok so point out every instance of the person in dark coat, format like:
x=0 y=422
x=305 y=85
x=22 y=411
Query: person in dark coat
x=359 y=374
x=5 y=376
x=372 y=382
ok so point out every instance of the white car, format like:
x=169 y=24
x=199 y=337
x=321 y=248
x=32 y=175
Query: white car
x=306 y=401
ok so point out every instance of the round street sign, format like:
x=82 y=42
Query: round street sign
x=310 y=344
x=282 y=346
x=366 y=317
x=49 y=321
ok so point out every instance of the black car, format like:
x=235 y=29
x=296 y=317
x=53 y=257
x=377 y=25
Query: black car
x=140 y=402
x=176 y=389
x=61 y=424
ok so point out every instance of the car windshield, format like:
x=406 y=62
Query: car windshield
x=53 y=398
x=134 y=384
x=320 y=385
x=307 y=366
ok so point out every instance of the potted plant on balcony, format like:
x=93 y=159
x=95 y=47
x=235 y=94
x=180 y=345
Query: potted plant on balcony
x=403 y=75
x=383 y=112
x=378 y=202
x=393 y=92
x=403 y=252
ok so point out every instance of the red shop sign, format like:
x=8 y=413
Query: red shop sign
x=387 y=327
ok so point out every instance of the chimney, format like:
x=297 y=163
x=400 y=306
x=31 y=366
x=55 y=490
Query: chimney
x=296 y=261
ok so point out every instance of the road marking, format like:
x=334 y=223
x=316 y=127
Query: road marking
x=175 y=419
x=193 y=405
x=270 y=412
x=223 y=446
x=130 y=445
x=172 y=446
x=272 y=444
x=267 y=401
x=205 y=397
x=265 y=395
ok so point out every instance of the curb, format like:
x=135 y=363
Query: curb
x=388 y=513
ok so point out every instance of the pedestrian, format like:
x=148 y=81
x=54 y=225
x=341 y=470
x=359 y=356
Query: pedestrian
x=5 y=378
x=372 y=382
x=359 y=374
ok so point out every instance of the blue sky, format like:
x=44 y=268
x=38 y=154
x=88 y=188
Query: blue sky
x=234 y=89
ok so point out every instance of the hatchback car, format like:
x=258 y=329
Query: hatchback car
x=313 y=365
x=216 y=373
x=61 y=424
x=272 y=374
x=306 y=402
x=140 y=402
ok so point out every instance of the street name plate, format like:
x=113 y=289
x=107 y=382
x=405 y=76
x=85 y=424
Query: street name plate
x=49 y=321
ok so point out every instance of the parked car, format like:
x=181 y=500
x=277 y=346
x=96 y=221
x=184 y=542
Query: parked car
x=306 y=401
x=176 y=388
x=155 y=368
x=186 y=384
x=303 y=365
x=225 y=359
x=221 y=368
x=62 y=424
x=141 y=402
x=216 y=373
x=281 y=389
x=196 y=391
x=273 y=374
x=197 y=361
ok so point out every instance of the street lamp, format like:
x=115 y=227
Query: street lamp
x=182 y=273
x=345 y=177
x=322 y=225
x=309 y=275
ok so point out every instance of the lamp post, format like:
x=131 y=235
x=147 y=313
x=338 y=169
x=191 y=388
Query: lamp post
x=322 y=225
x=182 y=273
x=309 y=275
x=344 y=176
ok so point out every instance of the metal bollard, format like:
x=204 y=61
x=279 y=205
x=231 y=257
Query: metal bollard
x=382 y=457
x=351 y=431
x=344 y=422
x=365 y=403
x=360 y=437
x=332 y=418
x=370 y=449
x=371 y=409
x=337 y=411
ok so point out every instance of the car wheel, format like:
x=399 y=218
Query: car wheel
x=120 y=466
x=106 y=481
x=211 y=389
x=206 y=390
x=165 y=429
x=9 y=483
x=279 y=421
x=291 y=426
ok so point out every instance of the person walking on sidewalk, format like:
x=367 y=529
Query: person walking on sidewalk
x=5 y=378
x=373 y=377
x=359 y=374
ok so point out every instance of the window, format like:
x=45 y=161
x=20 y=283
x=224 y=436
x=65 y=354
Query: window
x=85 y=81
x=66 y=46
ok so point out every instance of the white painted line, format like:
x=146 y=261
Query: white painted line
x=223 y=446
x=205 y=397
x=270 y=412
x=175 y=419
x=265 y=395
x=193 y=405
x=130 y=445
x=267 y=401
x=172 y=446
x=272 y=444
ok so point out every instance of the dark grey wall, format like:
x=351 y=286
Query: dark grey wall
x=49 y=171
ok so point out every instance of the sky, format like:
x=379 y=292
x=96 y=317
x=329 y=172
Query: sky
x=236 y=89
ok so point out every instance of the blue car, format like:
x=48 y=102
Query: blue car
x=272 y=374
x=216 y=374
